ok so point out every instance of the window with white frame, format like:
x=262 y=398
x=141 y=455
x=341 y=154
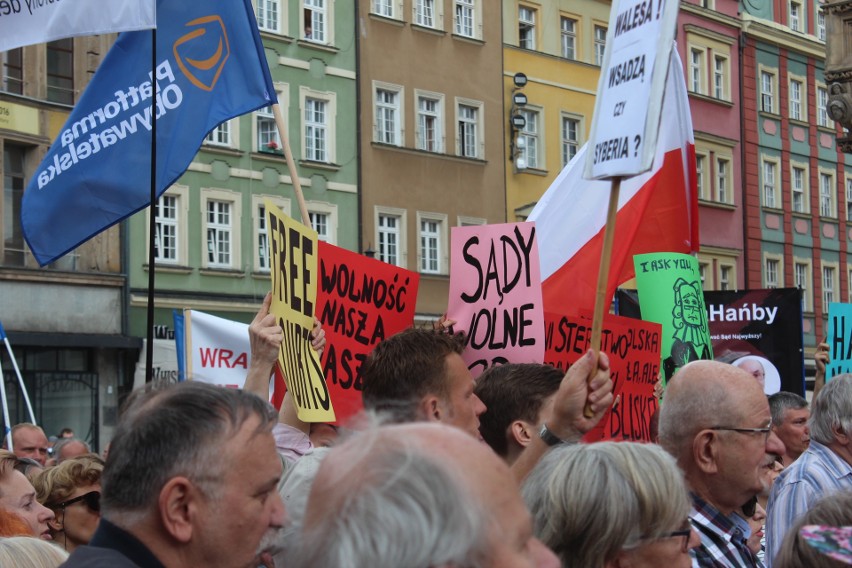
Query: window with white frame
x=430 y=110
x=166 y=244
x=219 y=217
x=529 y=137
x=795 y=16
x=827 y=202
x=390 y=233
x=723 y=181
x=268 y=139
x=317 y=22
x=802 y=275
x=767 y=91
x=526 y=27
x=323 y=217
x=726 y=274
x=570 y=138
x=796 y=98
x=468 y=121
x=383 y=8
x=696 y=70
x=316 y=130
x=424 y=13
x=319 y=223
x=389 y=115
x=829 y=286
x=770 y=184
x=432 y=243
x=465 y=17
x=220 y=136
x=849 y=199
x=822 y=107
x=720 y=77
x=799 y=188
x=269 y=15
x=820 y=23
x=771 y=271
x=703 y=267
x=262 y=243
x=569 y=37
x=600 y=44
x=701 y=176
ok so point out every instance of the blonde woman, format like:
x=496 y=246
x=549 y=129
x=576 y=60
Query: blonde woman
x=29 y=552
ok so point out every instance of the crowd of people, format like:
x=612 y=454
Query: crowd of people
x=442 y=471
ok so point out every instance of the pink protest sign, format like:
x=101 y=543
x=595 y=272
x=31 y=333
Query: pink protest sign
x=495 y=294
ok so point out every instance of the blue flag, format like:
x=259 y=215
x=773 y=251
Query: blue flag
x=210 y=67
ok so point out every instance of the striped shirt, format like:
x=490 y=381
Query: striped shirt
x=723 y=542
x=817 y=472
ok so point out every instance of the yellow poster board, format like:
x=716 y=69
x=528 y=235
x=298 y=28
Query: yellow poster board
x=293 y=263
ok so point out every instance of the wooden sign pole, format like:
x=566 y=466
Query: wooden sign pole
x=291 y=165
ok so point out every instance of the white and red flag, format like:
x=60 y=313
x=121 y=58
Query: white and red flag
x=657 y=211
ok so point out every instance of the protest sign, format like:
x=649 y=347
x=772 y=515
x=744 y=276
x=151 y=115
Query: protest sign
x=293 y=255
x=762 y=326
x=839 y=339
x=495 y=294
x=670 y=293
x=360 y=302
x=633 y=348
x=216 y=349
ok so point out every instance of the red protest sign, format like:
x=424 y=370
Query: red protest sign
x=360 y=301
x=633 y=347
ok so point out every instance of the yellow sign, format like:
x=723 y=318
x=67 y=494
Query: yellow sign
x=18 y=118
x=293 y=262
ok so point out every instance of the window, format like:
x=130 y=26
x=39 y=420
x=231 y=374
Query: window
x=800 y=190
x=570 y=138
x=796 y=93
x=388 y=117
x=767 y=90
x=720 y=74
x=802 y=275
x=268 y=139
x=316 y=130
x=770 y=187
x=820 y=23
x=849 y=200
x=269 y=16
x=383 y=8
x=822 y=108
x=221 y=135
x=696 y=70
x=430 y=136
x=219 y=234
x=600 y=44
x=60 y=71
x=701 y=176
x=526 y=28
x=771 y=270
x=702 y=274
x=261 y=240
x=795 y=16
x=468 y=131
x=725 y=276
x=389 y=237
x=465 y=17
x=528 y=138
x=569 y=38
x=316 y=21
x=12 y=62
x=829 y=285
x=166 y=229
x=424 y=13
x=723 y=181
x=827 y=206
x=319 y=223
x=430 y=246
x=14 y=158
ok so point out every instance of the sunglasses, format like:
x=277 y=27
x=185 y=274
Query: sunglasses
x=92 y=499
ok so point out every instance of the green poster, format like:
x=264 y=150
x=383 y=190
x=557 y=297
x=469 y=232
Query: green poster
x=670 y=293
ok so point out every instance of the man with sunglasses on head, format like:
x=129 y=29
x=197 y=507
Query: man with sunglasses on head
x=823 y=468
x=715 y=421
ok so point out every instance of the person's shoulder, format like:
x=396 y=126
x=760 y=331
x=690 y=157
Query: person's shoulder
x=97 y=557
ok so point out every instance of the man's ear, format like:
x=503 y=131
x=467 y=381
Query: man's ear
x=178 y=503
x=431 y=408
x=705 y=451
x=522 y=432
x=839 y=435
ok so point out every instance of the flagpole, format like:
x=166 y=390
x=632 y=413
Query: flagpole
x=152 y=222
x=7 y=426
x=601 y=301
x=291 y=165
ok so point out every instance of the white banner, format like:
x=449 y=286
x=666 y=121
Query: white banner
x=25 y=22
x=217 y=349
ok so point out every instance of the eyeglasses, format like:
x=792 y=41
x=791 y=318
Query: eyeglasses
x=684 y=534
x=92 y=500
x=765 y=431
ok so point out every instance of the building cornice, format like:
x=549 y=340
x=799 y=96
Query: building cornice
x=782 y=36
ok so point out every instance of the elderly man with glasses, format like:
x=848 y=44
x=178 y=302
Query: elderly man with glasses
x=715 y=421
x=825 y=467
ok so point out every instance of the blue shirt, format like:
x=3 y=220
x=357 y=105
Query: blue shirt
x=817 y=472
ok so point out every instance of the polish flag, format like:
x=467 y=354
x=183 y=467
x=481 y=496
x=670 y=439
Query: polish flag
x=657 y=211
